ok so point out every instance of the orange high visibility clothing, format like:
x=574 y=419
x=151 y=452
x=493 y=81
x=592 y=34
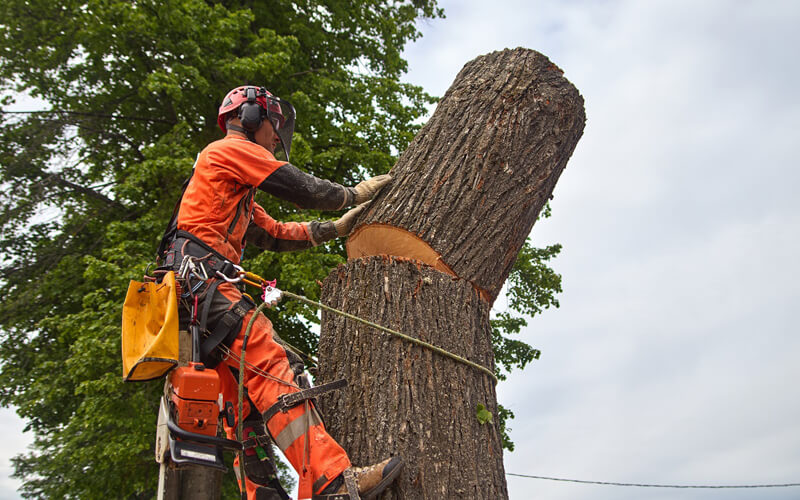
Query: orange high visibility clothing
x=218 y=208
x=218 y=205
x=299 y=433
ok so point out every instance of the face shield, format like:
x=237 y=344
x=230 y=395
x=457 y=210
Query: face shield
x=281 y=115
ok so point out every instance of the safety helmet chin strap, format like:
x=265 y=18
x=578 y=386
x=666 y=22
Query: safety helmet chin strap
x=251 y=135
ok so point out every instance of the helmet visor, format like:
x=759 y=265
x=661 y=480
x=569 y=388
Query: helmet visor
x=281 y=115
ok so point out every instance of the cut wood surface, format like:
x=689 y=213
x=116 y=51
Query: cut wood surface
x=475 y=178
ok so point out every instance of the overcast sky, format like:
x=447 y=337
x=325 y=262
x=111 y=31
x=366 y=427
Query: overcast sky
x=673 y=356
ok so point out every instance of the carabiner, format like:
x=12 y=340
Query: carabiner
x=240 y=272
x=186 y=266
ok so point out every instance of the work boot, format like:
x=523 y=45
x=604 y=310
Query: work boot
x=371 y=480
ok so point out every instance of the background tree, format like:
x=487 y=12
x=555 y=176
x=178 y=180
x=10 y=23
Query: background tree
x=131 y=90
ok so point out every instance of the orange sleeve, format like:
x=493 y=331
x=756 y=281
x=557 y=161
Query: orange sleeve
x=245 y=162
x=294 y=231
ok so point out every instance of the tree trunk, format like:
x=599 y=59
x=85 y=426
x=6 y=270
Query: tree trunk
x=407 y=399
x=465 y=195
x=189 y=483
x=469 y=188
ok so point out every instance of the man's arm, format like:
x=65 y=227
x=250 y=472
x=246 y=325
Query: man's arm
x=268 y=234
x=307 y=191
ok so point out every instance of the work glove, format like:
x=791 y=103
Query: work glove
x=366 y=190
x=345 y=223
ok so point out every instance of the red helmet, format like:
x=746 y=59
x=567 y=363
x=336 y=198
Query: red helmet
x=252 y=105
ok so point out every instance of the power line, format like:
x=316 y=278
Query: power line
x=607 y=483
x=89 y=114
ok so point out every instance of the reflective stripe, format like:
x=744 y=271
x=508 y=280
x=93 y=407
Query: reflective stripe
x=296 y=428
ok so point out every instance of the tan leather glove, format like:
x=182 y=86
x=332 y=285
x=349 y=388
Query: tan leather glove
x=345 y=223
x=366 y=190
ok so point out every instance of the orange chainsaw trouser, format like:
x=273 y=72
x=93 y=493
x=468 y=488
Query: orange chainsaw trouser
x=299 y=432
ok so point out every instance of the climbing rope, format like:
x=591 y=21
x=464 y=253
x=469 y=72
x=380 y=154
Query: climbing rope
x=240 y=423
x=226 y=351
x=256 y=280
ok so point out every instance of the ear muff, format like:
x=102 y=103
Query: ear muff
x=250 y=111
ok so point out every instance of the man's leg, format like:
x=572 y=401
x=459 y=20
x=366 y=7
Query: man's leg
x=298 y=432
x=257 y=473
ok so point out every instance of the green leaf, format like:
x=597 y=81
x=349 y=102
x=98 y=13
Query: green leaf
x=484 y=415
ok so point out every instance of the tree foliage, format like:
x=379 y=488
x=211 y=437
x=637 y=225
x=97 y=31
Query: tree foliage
x=131 y=90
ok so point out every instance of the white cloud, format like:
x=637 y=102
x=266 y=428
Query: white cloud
x=672 y=357
x=14 y=443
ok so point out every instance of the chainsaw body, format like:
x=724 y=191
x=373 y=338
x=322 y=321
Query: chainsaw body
x=188 y=419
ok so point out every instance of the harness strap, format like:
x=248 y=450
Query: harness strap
x=351 y=485
x=172 y=227
x=227 y=327
x=262 y=440
x=216 y=262
x=212 y=289
x=292 y=399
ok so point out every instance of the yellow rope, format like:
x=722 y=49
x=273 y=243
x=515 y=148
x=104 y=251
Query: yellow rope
x=249 y=277
x=241 y=390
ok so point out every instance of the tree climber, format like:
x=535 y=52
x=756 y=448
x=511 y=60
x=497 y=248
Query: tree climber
x=216 y=216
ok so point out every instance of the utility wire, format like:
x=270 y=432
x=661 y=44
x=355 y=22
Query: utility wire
x=607 y=483
x=89 y=114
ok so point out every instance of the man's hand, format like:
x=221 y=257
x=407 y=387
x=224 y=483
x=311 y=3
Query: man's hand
x=345 y=223
x=366 y=190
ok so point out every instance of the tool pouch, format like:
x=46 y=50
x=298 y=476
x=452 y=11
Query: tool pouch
x=149 y=329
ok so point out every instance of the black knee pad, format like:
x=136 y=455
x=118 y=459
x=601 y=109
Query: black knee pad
x=267 y=493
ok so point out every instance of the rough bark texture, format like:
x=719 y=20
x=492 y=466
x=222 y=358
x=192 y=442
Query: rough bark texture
x=406 y=400
x=470 y=186
x=475 y=178
x=191 y=483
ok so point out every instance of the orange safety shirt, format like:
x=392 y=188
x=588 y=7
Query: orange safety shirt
x=218 y=204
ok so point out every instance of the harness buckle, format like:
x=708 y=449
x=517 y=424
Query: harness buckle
x=227 y=269
x=292 y=399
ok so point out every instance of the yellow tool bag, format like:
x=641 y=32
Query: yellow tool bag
x=149 y=329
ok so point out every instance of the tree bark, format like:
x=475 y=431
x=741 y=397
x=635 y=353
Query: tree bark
x=428 y=257
x=190 y=483
x=470 y=186
x=405 y=399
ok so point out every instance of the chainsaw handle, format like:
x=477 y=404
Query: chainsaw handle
x=201 y=438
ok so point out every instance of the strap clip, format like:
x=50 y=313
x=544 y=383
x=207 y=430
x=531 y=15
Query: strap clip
x=261 y=440
x=231 y=269
x=292 y=399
